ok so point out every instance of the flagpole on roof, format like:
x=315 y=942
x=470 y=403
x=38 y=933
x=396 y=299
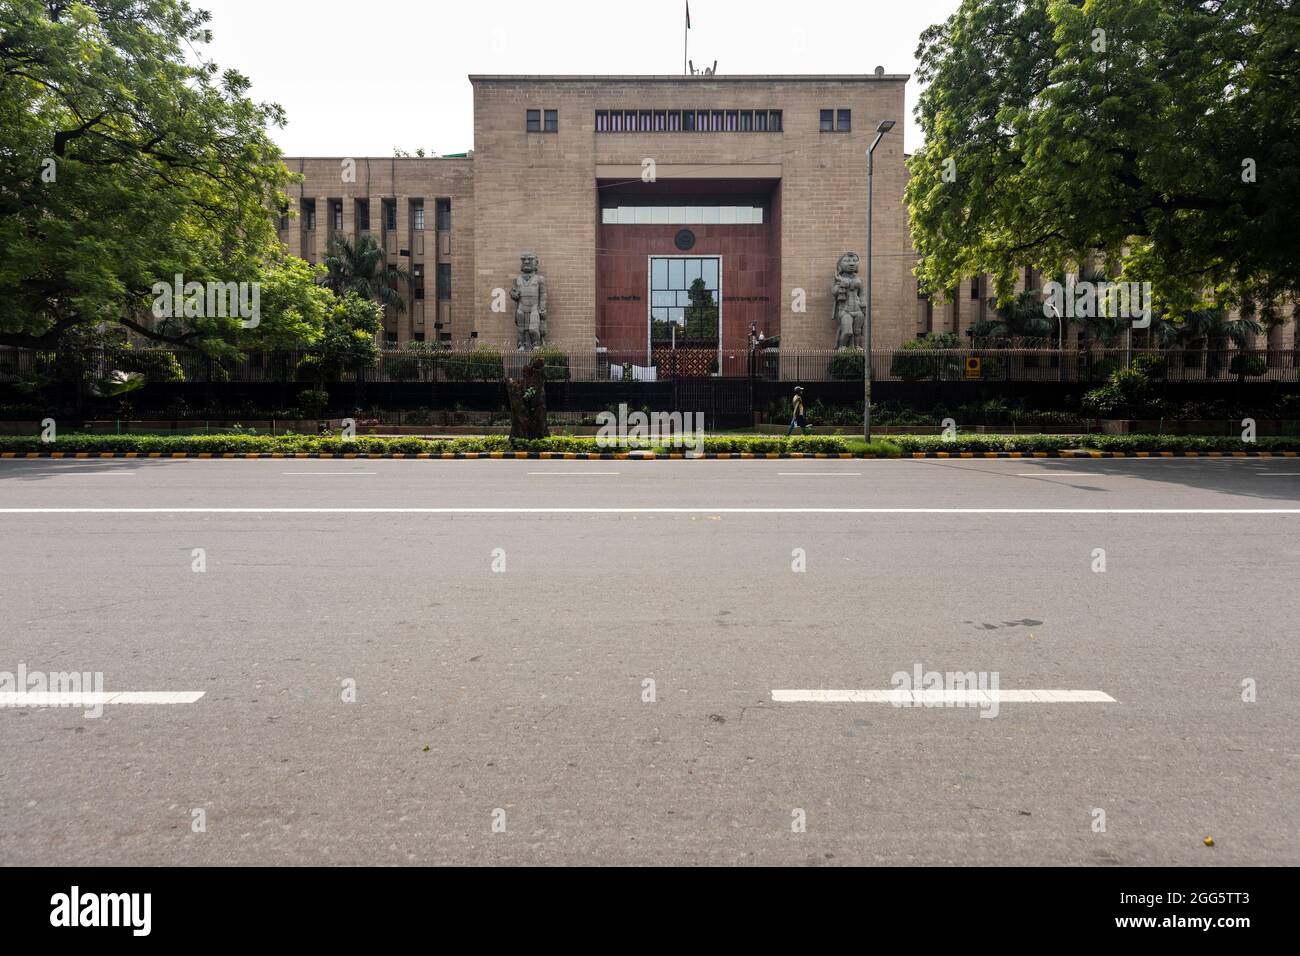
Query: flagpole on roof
x=686 y=35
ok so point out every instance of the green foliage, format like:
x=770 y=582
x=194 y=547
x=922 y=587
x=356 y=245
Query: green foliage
x=127 y=159
x=293 y=307
x=72 y=443
x=557 y=363
x=1150 y=365
x=1245 y=364
x=1064 y=140
x=483 y=364
x=847 y=365
x=927 y=358
x=313 y=401
x=1126 y=395
x=348 y=341
x=362 y=267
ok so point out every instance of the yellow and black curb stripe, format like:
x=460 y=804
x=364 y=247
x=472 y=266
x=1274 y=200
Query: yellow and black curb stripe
x=644 y=456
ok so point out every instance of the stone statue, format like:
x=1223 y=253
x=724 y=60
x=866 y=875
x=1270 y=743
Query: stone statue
x=850 y=311
x=529 y=293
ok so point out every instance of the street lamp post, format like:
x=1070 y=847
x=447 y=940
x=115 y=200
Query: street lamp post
x=884 y=127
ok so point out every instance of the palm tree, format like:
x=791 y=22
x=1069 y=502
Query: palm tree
x=362 y=267
x=1207 y=330
x=1022 y=318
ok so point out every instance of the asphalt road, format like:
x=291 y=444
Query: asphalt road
x=523 y=690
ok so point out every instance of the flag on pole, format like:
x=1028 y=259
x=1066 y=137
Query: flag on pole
x=688 y=14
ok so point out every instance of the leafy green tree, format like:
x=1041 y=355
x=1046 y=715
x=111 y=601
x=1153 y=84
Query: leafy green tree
x=294 y=307
x=362 y=267
x=1159 y=132
x=348 y=340
x=123 y=163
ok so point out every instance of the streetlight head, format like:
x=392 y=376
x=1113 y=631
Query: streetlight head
x=885 y=126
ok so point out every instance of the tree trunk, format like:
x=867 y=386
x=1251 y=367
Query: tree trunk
x=527 y=396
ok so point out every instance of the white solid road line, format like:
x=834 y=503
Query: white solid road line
x=94 y=699
x=317 y=474
x=903 y=696
x=653 y=511
x=819 y=474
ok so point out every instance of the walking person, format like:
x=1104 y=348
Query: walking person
x=798 y=416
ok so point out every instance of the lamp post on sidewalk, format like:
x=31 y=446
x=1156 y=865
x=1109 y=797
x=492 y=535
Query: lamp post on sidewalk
x=884 y=127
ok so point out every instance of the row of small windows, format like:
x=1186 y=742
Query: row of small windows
x=688 y=121
x=442 y=213
x=681 y=215
x=543 y=121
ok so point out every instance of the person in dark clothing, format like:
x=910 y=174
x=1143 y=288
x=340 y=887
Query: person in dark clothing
x=799 y=417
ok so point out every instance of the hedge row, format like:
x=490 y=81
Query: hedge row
x=753 y=444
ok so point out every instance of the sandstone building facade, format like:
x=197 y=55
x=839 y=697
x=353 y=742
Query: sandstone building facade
x=632 y=190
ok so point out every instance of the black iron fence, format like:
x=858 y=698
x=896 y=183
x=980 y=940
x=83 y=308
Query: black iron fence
x=786 y=365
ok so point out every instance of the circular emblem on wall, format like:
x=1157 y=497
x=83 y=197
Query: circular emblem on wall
x=684 y=240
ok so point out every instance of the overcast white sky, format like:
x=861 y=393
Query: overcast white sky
x=360 y=77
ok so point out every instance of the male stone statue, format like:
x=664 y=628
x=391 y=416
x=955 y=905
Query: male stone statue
x=850 y=312
x=529 y=293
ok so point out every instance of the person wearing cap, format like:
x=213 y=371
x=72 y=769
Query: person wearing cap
x=798 y=417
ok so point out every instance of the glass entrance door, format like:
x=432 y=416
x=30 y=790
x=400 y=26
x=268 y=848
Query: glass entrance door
x=686 y=308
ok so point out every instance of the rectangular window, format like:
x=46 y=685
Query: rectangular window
x=844 y=121
x=444 y=280
x=417 y=280
x=715 y=122
x=661 y=121
x=688 y=121
x=363 y=215
x=675 y=121
x=701 y=121
x=443 y=212
x=417 y=214
x=602 y=121
x=645 y=122
x=629 y=121
x=774 y=121
x=534 y=118
x=615 y=122
x=390 y=215
x=975 y=287
x=552 y=121
x=417 y=337
x=746 y=120
x=309 y=214
x=336 y=216
x=760 y=121
x=828 y=117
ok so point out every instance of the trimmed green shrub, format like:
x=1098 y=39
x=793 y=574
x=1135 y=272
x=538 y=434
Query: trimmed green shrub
x=556 y=363
x=1248 y=363
x=847 y=366
x=313 y=401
